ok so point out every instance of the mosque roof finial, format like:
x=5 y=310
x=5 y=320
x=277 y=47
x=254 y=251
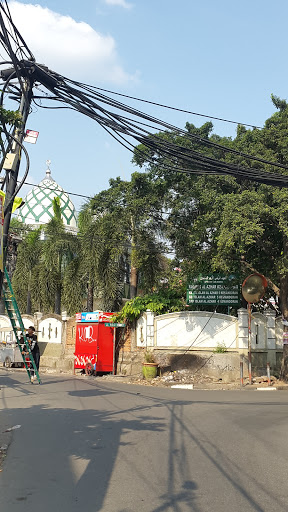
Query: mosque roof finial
x=48 y=171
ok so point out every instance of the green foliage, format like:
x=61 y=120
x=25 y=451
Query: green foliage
x=212 y=223
x=220 y=348
x=119 y=228
x=57 y=209
x=222 y=223
x=17 y=227
x=58 y=252
x=73 y=287
x=278 y=103
x=24 y=280
x=44 y=269
x=156 y=302
x=10 y=117
x=149 y=356
x=102 y=265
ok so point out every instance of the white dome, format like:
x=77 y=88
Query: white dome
x=38 y=207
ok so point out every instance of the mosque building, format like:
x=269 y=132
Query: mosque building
x=38 y=207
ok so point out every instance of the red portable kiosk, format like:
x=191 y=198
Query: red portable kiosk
x=94 y=347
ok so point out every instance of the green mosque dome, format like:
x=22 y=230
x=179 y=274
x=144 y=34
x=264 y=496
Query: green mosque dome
x=38 y=207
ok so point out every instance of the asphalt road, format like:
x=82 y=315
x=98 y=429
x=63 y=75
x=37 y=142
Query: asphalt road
x=87 y=444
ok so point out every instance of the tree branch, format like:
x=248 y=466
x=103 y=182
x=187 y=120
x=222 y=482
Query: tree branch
x=270 y=283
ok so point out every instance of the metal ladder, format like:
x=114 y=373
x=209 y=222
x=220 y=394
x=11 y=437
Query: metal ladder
x=15 y=316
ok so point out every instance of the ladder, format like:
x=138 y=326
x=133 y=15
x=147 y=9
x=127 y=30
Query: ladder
x=15 y=316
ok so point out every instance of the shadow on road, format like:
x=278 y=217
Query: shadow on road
x=75 y=452
x=89 y=448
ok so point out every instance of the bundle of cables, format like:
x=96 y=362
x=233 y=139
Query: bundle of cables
x=157 y=141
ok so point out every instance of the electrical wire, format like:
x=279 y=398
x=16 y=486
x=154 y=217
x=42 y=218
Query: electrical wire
x=60 y=189
x=199 y=334
x=166 y=148
x=172 y=155
x=168 y=125
x=111 y=121
x=175 y=108
x=88 y=107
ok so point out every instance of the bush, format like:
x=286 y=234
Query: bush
x=158 y=303
x=221 y=348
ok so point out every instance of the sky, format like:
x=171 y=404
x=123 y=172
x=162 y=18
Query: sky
x=221 y=59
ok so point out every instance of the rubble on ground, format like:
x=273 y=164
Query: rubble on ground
x=176 y=377
x=199 y=381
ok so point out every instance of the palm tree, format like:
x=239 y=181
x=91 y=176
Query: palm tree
x=59 y=249
x=101 y=265
x=135 y=205
x=116 y=226
x=23 y=281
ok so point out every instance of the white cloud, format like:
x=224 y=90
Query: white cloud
x=121 y=3
x=72 y=48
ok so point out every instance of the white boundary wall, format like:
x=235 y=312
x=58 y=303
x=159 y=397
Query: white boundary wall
x=49 y=329
x=200 y=330
x=197 y=330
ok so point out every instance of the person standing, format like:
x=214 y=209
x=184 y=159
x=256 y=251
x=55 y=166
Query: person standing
x=34 y=347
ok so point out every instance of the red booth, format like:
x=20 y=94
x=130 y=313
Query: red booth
x=94 y=348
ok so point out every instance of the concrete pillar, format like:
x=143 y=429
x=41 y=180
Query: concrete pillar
x=271 y=337
x=243 y=330
x=150 y=328
x=37 y=317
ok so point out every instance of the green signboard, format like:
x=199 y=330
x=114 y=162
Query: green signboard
x=113 y=325
x=214 y=289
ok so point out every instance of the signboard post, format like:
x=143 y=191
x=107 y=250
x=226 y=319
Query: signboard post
x=213 y=289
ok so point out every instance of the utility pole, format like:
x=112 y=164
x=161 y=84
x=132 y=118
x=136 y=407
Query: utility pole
x=12 y=164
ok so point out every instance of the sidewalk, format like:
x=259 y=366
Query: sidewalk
x=174 y=378
x=5 y=437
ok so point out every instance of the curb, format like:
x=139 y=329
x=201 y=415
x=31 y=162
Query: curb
x=267 y=389
x=183 y=386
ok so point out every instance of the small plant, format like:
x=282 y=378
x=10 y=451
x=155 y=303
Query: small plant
x=221 y=348
x=149 y=357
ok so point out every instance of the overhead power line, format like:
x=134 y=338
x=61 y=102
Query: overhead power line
x=125 y=129
x=57 y=189
x=178 y=109
x=158 y=143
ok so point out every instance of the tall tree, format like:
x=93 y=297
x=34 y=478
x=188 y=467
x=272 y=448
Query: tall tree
x=102 y=265
x=224 y=223
x=58 y=251
x=134 y=209
x=23 y=281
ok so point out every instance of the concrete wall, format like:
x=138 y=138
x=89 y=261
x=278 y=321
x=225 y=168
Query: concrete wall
x=196 y=331
x=56 y=337
x=50 y=329
x=179 y=340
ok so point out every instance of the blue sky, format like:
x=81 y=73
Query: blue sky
x=221 y=58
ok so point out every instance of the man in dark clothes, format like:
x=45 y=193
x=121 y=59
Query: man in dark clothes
x=34 y=347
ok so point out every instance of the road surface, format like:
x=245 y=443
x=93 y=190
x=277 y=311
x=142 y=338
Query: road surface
x=93 y=445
